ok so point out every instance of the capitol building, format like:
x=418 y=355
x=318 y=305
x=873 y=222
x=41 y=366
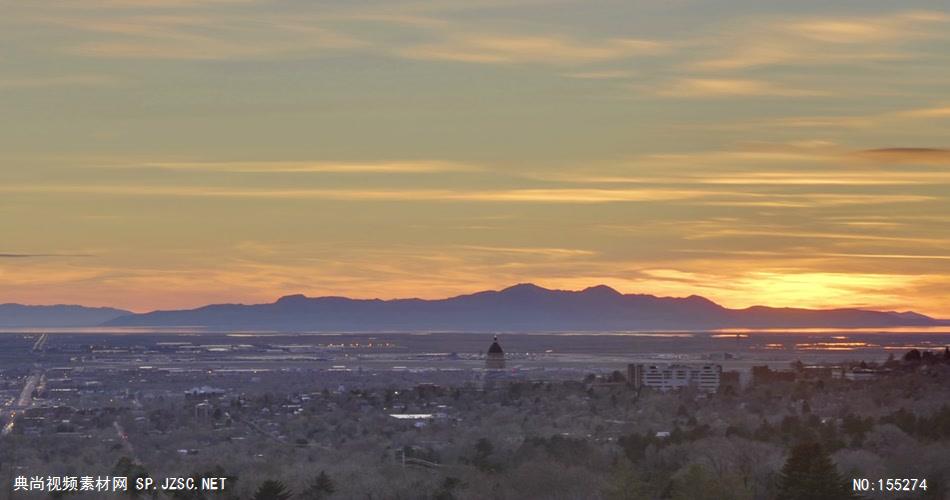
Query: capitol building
x=495 y=359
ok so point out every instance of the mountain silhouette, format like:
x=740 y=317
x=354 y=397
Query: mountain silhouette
x=523 y=307
x=18 y=315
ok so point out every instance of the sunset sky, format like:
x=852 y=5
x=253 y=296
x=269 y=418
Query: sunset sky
x=174 y=153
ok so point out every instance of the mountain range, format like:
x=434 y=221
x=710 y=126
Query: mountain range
x=523 y=307
x=18 y=315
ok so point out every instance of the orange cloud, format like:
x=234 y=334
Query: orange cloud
x=827 y=40
x=384 y=167
x=479 y=48
x=925 y=156
x=724 y=87
x=935 y=112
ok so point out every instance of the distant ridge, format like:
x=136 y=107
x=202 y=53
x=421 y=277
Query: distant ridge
x=522 y=307
x=18 y=315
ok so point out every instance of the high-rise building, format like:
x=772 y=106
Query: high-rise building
x=675 y=376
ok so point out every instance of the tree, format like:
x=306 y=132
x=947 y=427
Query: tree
x=272 y=490
x=696 y=482
x=765 y=432
x=321 y=487
x=447 y=489
x=483 y=450
x=628 y=483
x=132 y=471
x=912 y=355
x=857 y=427
x=810 y=473
x=635 y=445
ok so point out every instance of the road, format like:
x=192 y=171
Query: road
x=124 y=439
x=40 y=343
x=25 y=400
x=10 y=421
x=26 y=395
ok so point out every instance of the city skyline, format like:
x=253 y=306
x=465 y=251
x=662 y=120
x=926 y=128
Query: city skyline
x=164 y=155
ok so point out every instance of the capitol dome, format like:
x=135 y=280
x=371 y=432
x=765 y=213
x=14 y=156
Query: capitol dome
x=495 y=360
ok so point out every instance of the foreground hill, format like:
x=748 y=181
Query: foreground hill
x=524 y=307
x=18 y=315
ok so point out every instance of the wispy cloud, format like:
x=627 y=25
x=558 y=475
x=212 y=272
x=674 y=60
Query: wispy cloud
x=616 y=74
x=773 y=178
x=547 y=195
x=723 y=87
x=778 y=171
x=871 y=29
x=539 y=251
x=819 y=122
x=888 y=256
x=696 y=195
x=222 y=32
x=541 y=49
x=151 y=4
x=934 y=112
x=58 y=81
x=815 y=178
x=203 y=36
x=899 y=118
x=787 y=233
x=40 y=255
x=926 y=156
x=829 y=40
x=385 y=167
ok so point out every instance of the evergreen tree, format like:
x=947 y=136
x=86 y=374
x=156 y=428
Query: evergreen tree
x=447 y=489
x=272 y=490
x=321 y=487
x=810 y=473
x=483 y=452
x=696 y=482
x=628 y=483
x=127 y=468
x=635 y=445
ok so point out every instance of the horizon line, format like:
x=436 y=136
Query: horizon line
x=496 y=290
